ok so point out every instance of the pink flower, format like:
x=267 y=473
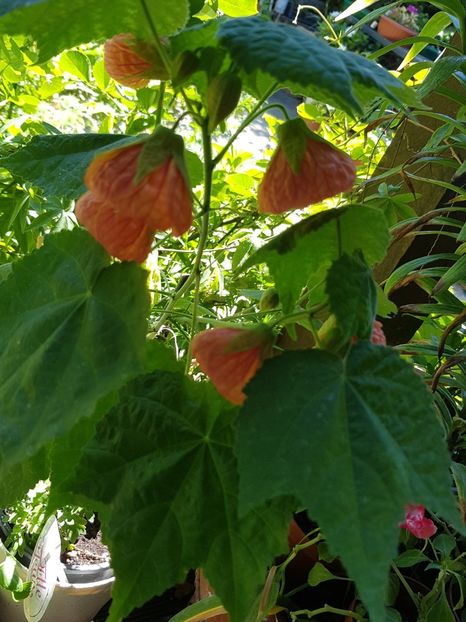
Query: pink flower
x=412 y=9
x=416 y=523
x=378 y=336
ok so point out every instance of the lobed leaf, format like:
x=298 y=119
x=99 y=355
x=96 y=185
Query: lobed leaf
x=72 y=329
x=354 y=440
x=164 y=457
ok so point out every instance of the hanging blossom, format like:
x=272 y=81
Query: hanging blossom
x=378 y=336
x=416 y=523
x=305 y=169
x=135 y=191
x=230 y=357
x=133 y=62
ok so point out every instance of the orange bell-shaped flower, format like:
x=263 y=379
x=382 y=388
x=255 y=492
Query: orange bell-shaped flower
x=132 y=62
x=230 y=357
x=135 y=191
x=305 y=169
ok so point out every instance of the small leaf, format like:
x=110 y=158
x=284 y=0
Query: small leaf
x=411 y=557
x=444 y=544
x=319 y=574
x=75 y=63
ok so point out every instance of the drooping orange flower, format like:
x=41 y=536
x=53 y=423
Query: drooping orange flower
x=128 y=200
x=132 y=62
x=231 y=357
x=127 y=238
x=305 y=169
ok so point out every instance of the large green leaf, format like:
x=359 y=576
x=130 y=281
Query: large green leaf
x=57 y=163
x=302 y=254
x=59 y=24
x=162 y=463
x=355 y=440
x=72 y=329
x=352 y=296
x=307 y=65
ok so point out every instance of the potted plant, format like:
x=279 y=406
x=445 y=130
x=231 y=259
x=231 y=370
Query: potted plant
x=85 y=580
x=399 y=23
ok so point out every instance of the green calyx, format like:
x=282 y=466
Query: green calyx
x=260 y=336
x=160 y=147
x=293 y=137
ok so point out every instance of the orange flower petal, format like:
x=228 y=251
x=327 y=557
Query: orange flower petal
x=229 y=371
x=325 y=171
x=122 y=62
x=128 y=239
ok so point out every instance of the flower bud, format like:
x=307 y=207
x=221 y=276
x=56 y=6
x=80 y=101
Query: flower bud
x=133 y=62
x=305 y=169
x=223 y=96
x=231 y=357
x=269 y=299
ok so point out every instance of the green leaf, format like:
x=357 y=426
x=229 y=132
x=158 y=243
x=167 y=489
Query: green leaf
x=444 y=544
x=238 y=8
x=352 y=296
x=206 y=607
x=440 y=610
x=308 y=66
x=57 y=25
x=456 y=273
x=302 y=254
x=411 y=557
x=319 y=574
x=441 y=71
x=436 y=24
x=384 y=306
x=453 y=6
x=76 y=64
x=10 y=579
x=366 y=424
x=57 y=164
x=72 y=329
x=164 y=457
x=19 y=478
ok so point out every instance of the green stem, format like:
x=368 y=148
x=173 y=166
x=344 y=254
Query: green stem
x=196 y=271
x=256 y=111
x=403 y=581
x=298 y=315
x=327 y=609
x=159 y=113
x=157 y=43
x=297 y=548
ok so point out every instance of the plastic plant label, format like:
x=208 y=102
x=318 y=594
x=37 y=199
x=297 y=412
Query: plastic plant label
x=43 y=571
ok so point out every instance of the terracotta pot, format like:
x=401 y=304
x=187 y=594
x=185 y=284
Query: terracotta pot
x=393 y=31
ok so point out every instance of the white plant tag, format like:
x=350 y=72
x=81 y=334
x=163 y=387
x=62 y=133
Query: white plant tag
x=43 y=571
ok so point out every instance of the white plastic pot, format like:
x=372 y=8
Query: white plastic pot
x=84 y=593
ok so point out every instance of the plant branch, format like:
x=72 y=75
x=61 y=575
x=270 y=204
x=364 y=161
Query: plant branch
x=255 y=112
x=194 y=276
